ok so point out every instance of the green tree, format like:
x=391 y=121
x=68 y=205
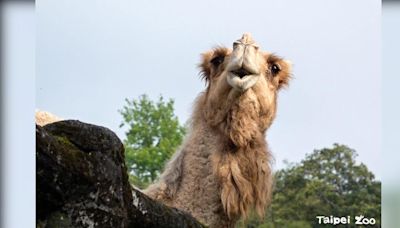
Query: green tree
x=327 y=182
x=153 y=135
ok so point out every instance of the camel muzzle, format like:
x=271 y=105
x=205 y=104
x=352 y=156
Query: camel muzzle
x=244 y=65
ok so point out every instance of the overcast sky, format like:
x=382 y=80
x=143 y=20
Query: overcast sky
x=391 y=93
x=91 y=55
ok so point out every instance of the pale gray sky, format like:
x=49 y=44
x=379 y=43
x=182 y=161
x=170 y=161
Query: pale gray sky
x=391 y=113
x=91 y=55
x=17 y=138
x=390 y=93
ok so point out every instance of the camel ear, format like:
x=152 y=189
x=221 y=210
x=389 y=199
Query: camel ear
x=285 y=73
x=205 y=65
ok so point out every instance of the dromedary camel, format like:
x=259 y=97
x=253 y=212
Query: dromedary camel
x=222 y=170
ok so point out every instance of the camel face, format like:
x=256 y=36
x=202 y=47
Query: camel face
x=242 y=81
x=244 y=66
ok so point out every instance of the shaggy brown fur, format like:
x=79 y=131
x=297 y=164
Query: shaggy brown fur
x=222 y=170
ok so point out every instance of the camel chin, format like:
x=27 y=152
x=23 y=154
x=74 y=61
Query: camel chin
x=242 y=84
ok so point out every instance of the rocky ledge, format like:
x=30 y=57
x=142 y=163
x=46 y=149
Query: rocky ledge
x=82 y=181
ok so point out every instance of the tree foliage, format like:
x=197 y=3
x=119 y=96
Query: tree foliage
x=153 y=135
x=327 y=182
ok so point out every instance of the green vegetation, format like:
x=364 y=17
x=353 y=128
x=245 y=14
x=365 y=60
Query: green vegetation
x=153 y=135
x=327 y=182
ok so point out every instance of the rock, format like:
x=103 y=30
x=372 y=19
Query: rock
x=82 y=181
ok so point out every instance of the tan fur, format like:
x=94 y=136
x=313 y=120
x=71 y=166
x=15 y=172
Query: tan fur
x=222 y=170
x=42 y=118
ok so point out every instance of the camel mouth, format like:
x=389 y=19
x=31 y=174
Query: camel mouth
x=242 y=79
x=241 y=73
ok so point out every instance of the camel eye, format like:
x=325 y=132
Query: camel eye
x=216 y=61
x=275 y=69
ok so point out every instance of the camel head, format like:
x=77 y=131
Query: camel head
x=242 y=87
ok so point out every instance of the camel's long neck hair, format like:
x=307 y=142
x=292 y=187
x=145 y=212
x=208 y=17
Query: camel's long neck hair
x=242 y=163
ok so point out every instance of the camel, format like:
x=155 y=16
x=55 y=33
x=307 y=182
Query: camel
x=222 y=171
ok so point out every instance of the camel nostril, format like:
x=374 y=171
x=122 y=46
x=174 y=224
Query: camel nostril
x=241 y=72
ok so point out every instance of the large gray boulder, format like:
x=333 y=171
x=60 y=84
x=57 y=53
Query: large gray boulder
x=82 y=181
